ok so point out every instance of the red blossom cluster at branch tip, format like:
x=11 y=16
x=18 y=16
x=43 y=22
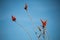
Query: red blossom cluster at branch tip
x=44 y=23
x=13 y=18
x=26 y=7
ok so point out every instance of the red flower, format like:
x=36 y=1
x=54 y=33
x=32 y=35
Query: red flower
x=26 y=7
x=13 y=18
x=44 y=23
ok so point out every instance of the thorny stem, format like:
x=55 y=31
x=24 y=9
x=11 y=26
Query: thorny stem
x=24 y=30
x=31 y=21
x=45 y=34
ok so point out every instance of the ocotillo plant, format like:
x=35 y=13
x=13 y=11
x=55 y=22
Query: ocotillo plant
x=41 y=30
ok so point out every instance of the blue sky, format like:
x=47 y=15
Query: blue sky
x=39 y=9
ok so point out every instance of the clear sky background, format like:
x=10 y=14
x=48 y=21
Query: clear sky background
x=39 y=9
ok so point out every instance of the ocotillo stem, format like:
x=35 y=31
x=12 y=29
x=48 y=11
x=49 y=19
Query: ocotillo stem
x=24 y=30
x=31 y=21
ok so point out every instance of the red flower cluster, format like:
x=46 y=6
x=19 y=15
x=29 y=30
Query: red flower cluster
x=44 y=23
x=13 y=18
x=26 y=7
